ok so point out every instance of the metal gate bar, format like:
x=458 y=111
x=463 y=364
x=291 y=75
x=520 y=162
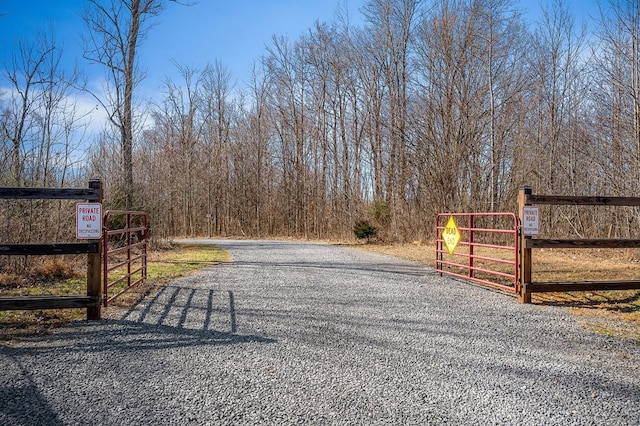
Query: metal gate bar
x=134 y=248
x=481 y=237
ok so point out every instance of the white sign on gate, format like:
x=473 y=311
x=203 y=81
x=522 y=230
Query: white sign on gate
x=530 y=220
x=89 y=221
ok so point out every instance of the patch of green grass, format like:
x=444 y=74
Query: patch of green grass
x=184 y=259
x=166 y=265
x=162 y=267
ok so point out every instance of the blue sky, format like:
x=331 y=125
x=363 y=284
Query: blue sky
x=235 y=32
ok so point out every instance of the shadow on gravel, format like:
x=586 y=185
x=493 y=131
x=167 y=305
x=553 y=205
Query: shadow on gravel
x=185 y=307
x=119 y=335
x=12 y=398
x=176 y=317
x=21 y=402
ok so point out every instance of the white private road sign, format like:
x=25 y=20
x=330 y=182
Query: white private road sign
x=89 y=221
x=531 y=220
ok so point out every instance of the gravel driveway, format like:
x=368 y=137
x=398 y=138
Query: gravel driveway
x=296 y=333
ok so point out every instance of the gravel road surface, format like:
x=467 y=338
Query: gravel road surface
x=296 y=333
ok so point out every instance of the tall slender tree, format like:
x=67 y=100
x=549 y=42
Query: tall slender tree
x=115 y=30
x=391 y=29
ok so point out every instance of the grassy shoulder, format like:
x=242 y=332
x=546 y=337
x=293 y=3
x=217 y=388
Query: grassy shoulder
x=614 y=313
x=163 y=265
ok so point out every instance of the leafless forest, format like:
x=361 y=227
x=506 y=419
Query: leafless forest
x=432 y=106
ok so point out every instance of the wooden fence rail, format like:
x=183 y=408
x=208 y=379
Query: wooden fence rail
x=527 y=243
x=92 y=301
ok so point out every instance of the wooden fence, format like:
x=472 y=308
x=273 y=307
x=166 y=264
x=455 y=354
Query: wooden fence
x=92 y=300
x=527 y=243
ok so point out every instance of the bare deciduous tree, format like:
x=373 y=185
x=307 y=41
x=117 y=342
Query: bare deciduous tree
x=25 y=77
x=446 y=105
x=116 y=29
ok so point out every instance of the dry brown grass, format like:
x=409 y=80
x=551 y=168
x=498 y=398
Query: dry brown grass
x=44 y=271
x=608 y=312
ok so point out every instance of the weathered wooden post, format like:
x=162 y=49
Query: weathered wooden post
x=94 y=284
x=524 y=296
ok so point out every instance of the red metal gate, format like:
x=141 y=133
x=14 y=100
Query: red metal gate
x=487 y=251
x=125 y=246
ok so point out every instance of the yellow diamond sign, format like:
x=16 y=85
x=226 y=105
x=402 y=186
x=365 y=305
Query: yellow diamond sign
x=450 y=235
